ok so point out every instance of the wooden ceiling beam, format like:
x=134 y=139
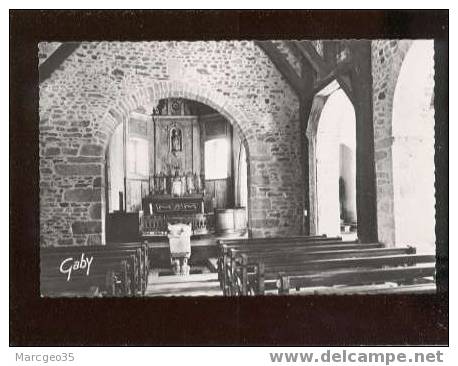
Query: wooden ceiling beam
x=342 y=68
x=346 y=86
x=330 y=52
x=56 y=59
x=283 y=66
x=326 y=71
x=292 y=45
x=310 y=53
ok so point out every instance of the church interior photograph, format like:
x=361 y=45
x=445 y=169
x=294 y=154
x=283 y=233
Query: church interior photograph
x=237 y=168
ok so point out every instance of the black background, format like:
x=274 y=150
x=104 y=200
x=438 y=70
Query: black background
x=277 y=320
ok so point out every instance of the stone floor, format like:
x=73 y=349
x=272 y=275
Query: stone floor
x=162 y=282
x=204 y=284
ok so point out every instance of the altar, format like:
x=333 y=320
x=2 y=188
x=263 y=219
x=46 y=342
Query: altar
x=160 y=210
x=169 y=205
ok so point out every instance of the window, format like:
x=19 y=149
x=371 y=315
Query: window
x=137 y=156
x=216 y=158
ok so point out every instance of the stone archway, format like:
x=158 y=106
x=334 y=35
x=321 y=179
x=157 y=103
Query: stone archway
x=388 y=65
x=327 y=134
x=387 y=59
x=312 y=128
x=413 y=149
x=149 y=96
x=96 y=88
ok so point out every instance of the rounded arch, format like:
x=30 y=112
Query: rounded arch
x=149 y=96
x=413 y=149
x=331 y=134
x=413 y=107
x=388 y=57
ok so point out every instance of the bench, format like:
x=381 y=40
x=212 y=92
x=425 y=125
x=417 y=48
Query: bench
x=123 y=265
x=351 y=277
x=372 y=289
x=288 y=251
x=112 y=276
x=282 y=271
x=243 y=260
x=251 y=241
x=139 y=249
x=254 y=266
x=102 y=257
x=225 y=245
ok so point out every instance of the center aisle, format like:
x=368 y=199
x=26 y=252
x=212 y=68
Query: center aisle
x=205 y=284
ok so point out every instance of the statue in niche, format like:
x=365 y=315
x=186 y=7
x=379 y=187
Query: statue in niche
x=175 y=140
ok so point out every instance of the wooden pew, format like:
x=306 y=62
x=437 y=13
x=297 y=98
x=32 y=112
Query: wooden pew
x=257 y=272
x=139 y=249
x=356 y=276
x=144 y=259
x=225 y=245
x=263 y=243
x=277 y=239
x=102 y=258
x=270 y=274
x=106 y=259
x=256 y=265
x=228 y=249
x=225 y=249
x=372 y=289
x=101 y=263
x=259 y=267
x=286 y=253
x=109 y=279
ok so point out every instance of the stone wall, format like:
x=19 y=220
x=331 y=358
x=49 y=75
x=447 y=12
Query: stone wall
x=413 y=149
x=387 y=57
x=101 y=83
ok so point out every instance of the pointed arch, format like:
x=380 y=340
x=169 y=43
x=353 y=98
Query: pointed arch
x=326 y=131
